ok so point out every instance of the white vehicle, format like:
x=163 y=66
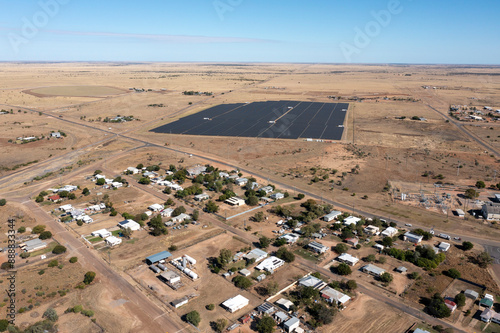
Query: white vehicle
x=408 y=225
x=445 y=236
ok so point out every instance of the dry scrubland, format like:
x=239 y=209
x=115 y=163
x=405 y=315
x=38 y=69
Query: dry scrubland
x=75 y=98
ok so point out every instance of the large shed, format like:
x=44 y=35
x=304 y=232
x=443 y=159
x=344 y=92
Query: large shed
x=157 y=257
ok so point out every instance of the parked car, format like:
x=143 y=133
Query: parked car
x=457 y=238
x=408 y=225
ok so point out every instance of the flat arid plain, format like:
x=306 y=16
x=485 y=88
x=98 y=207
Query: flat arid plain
x=416 y=139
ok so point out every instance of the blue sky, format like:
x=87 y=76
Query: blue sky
x=357 y=31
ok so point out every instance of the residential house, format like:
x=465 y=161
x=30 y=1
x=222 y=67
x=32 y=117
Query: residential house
x=201 y=197
x=311 y=281
x=267 y=189
x=54 y=198
x=331 y=216
x=235 y=201
x=348 y=259
x=245 y=272
x=270 y=264
x=450 y=304
x=291 y=324
x=372 y=230
x=56 y=135
x=290 y=238
x=131 y=224
x=352 y=241
x=401 y=269
x=167 y=212
x=281 y=317
x=266 y=308
x=285 y=304
x=241 y=181
x=133 y=170
x=256 y=254
x=156 y=207
x=181 y=217
x=196 y=170
x=411 y=237
x=277 y=196
x=334 y=296
x=486 y=315
x=373 y=270
x=103 y=233
x=351 y=220
x=471 y=294
x=444 y=247
x=317 y=247
x=33 y=245
x=179 y=302
x=389 y=232
x=113 y=240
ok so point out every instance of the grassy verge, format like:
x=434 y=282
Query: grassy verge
x=48 y=249
x=307 y=255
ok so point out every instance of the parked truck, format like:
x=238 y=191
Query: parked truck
x=445 y=236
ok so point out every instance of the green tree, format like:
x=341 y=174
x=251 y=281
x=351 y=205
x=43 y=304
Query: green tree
x=386 y=277
x=220 y=325
x=51 y=315
x=480 y=184
x=53 y=263
x=39 y=199
x=484 y=259
x=460 y=299
x=242 y=282
x=453 y=273
x=127 y=233
x=387 y=241
x=38 y=229
x=58 y=249
x=466 y=246
x=225 y=257
x=211 y=207
x=89 y=277
x=343 y=269
x=265 y=325
x=252 y=201
x=86 y=191
x=258 y=217
x=21 y=230
x=97 y=172
x=100 y=181
x=471 y=193
x=210 y=307
x=145 y=181
x=272 y=287
x=351 y=285
x=264 y=242
x=300 y=196
x=157 y=226
x=341 y=248
x=195 y=215
x=369 y=258
x=3 y=202
x=437 y=307
x=4 y=323
x=194 y=318
x=71 y=196
x=285 y=255
x=321 y=313
x=73 y=260
x=45 y=235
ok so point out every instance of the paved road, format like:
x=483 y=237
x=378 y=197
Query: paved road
x=151 y=316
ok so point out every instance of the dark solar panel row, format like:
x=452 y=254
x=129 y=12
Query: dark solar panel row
x=293 y=120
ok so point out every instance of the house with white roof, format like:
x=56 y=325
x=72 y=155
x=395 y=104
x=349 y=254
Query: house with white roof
x=131 y=224
x=155 y=207
x=113 y=240
x=444 y=247
x=334 y=296
x=167 y=212
x=311 y=281
x=290 y=238
x=317 y=247
x=348 y=259
x=351 y=220
x=256 y=254
x=332 y=215
x=270 y=264
x=103 y=233
x=181 y=217
x=389 y=232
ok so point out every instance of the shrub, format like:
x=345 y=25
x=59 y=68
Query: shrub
x=24 y=255
x=21 y=230
x=38 y=229
x=172 y=248
x=41 y=272
x=386 y=277
x=50 y=314
x=193 y=317
x=89 y=277
x=73 y=260
x=3 y=202
x=210 y=307
x=53 y=263
x=453 y=273
x=58 y=249
x=45 y=235
x=466 y=246
x=341 y=248
x=343 y=269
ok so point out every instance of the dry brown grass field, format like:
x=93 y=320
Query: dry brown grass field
x=376 y=149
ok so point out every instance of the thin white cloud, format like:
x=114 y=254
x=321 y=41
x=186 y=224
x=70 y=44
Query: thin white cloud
x=159 y=37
